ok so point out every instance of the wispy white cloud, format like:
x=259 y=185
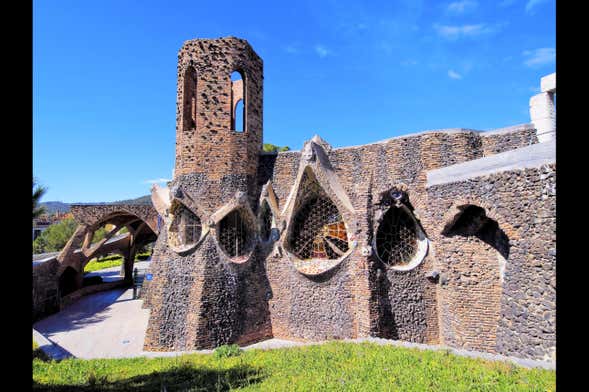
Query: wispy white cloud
x=531 y=4
x=539 y=57
x=461 y=6
x=156 y=181
x=322 y=51
x=454 y=75
x=455 y=32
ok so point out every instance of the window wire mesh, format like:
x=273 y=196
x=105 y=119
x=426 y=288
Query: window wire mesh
x=318 y=230
x=185 y=229
x=234 y=236
x=396 y=238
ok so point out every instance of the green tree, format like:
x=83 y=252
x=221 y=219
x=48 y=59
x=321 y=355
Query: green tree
x=38 y=192
x=54 y=238
x=274 y=148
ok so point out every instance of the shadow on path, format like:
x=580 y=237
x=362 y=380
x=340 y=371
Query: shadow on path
x=81 y=313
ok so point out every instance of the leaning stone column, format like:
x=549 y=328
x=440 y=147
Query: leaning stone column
x=542 y=109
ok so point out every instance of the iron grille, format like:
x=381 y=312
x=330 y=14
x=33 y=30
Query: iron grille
x=234 y=236
x=396 y=238
x=185 y=229
x=318 y=229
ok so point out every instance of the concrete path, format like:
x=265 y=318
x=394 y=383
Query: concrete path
x=108 y=324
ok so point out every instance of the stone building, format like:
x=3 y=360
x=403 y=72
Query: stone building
x=441 y=237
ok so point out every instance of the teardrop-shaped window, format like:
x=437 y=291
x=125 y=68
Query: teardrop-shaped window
x=185 y=228
x=235 y=236
x=318 y=230
x=400 y=241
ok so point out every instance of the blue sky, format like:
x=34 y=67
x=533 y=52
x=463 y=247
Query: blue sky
x=104 y=76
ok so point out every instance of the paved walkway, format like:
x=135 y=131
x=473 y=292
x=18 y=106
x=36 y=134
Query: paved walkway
x=108 y=324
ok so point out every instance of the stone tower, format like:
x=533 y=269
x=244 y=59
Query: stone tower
x=207 y=142
x=207 y=248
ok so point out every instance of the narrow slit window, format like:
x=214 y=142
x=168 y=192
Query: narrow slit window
x=237 y=102
x=189 y=114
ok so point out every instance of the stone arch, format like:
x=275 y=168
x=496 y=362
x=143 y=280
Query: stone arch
x=491 y=211
x=472 y=220
x=141 y=221
x=473 y=249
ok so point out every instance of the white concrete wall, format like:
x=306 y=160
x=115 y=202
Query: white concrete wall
x=543 y=110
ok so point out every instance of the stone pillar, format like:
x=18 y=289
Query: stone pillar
x=128 y=262
x=543 y=111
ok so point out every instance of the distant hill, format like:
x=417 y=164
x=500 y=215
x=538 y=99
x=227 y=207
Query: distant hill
x=57 y=206
x=139 y=200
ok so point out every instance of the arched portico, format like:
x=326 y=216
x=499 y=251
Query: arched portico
x=140 y=222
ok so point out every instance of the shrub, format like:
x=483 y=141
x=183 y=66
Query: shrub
x=224 y=351
x=268 y=147
x=54 y=238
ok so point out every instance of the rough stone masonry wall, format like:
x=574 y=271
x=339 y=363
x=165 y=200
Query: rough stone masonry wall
x=45 y=289
x=510 y=138
x=203 y=300
x=520 y=296
x=400 y=304
x=212 y=147
x=200 y=298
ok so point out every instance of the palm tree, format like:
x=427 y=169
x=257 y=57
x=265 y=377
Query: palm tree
x=38 y=192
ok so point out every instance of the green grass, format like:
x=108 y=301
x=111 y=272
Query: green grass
x=330 y=367
x=110 y=261
x=105 y=262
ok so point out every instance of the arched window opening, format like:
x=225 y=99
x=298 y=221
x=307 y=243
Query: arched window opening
x=185 y=229
x=189 y=114
x=396 y=238
x=238 y=102
x=473 y=221
x=318 y=229
x=234 y=234
x=265 y=221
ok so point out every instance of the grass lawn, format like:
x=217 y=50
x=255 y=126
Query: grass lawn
x=109 y=261
x=335 y=366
